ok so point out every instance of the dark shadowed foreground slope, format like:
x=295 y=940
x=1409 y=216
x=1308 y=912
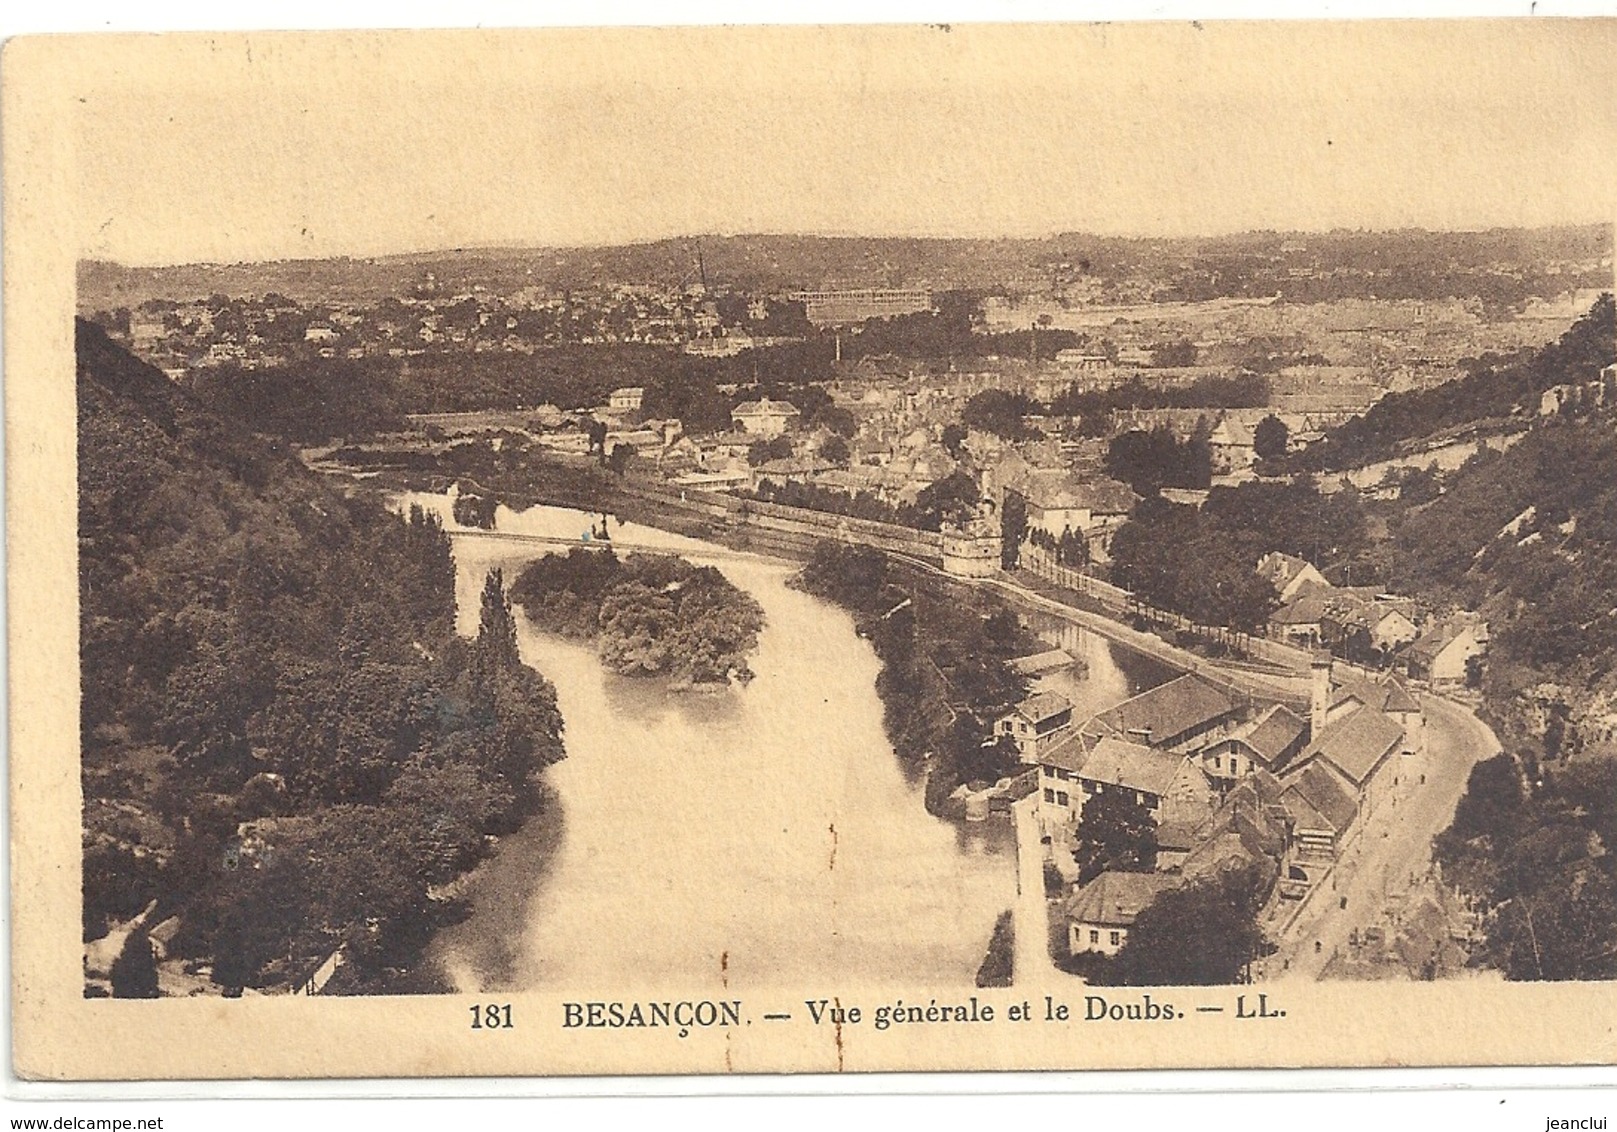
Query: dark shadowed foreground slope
x=284 y=743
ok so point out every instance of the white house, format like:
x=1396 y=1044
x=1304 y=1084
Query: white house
x=1265 y=743
x=764 y=418
x=626 y=400
x=1234 y=448
x=1388 y=696
x=1440 y=655
x=1058 y=502
x=1291 y=576
x=1357 y=749
x=1100 y=914
x=1060 y=796
x=1171 y=787
x=1036 y=723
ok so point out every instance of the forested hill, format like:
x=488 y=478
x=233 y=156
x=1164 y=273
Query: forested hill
x=1530 y=537
x=1494 y=388
x=284 y=743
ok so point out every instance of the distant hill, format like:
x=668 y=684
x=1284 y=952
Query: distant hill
x=1500 y=265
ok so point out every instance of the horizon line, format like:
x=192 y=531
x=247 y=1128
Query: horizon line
x=496 y=245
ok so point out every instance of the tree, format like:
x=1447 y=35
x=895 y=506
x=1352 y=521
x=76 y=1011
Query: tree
x=1564 y=930
x=838 y=419
x=1204 y=934
x=1149 y=461
x=619 y=460
x=496 y=646
x=134 y=972
x=1419 y=485
x=977 y=755
x=474 y=510
x=1072 y=548
x=835 y=449
x=1115 y=831
x=1000 y=412
x=596 y=431
x=953 y=438
x=1177 y=354
x=1493 y=803
x=951 y=499
x=1270 y=438
x=1012 y=529
x=761 y=452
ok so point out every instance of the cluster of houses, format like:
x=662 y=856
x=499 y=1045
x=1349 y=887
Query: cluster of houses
x=438 y=316
x=1367 y=626
x=1222 y=780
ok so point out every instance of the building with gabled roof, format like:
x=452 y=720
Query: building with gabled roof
x=1040 y=663
x=1376 y=627
x=1290 y=575
x=1061 y=797
x=1355 y=745
x=1254 y=814
x=1036 y=723
x=1059 y=501
x=1301 y=620
x=1184 y=713
x=1355 y=750
x=1276 y=736
x=1100 y=914
x=1176 y=840
x=1388 y=696
x=1170 y=786
x=1441 y=654
x=626 y=399
x=764 y=418
x=1323 y=814
x=1130 y=766
x=1233 y=443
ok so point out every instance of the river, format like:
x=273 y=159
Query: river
x=761 y=836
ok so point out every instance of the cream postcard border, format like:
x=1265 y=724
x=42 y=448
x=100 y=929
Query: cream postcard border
x=57 y=1034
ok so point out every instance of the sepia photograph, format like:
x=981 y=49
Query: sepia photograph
x=779 y=549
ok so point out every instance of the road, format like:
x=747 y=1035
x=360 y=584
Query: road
x=1288 y=689
x=1031 y=966
x=1394 y=845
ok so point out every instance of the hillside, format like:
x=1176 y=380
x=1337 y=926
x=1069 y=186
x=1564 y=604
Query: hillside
x=1494 y=389
x=1530 y=537
x=284 y=743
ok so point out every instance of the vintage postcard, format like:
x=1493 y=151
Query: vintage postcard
x=768 y=550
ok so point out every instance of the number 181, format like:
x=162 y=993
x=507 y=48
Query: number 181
x=492 y=1016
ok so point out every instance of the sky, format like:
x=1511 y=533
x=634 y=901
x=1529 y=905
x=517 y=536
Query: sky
x=231 y=148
